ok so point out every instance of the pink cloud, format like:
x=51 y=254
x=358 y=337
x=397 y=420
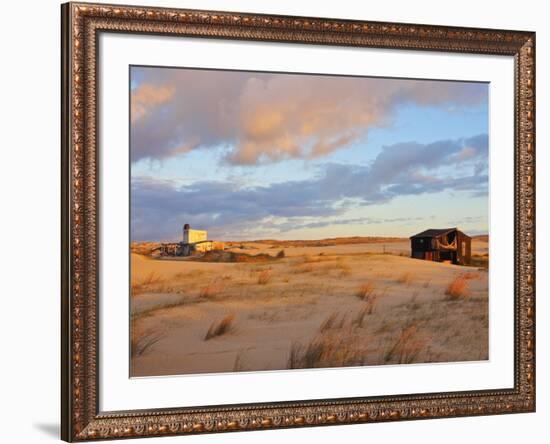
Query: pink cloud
x=265 y=117
x=147 y=98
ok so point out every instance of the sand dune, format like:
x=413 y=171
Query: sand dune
x=350 y=305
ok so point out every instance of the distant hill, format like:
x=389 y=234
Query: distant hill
x=321 y=242
x=481 y=237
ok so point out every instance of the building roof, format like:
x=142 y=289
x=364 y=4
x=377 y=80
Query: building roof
x=434 y=232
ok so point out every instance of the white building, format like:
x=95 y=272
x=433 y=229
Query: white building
x=196 y=240
x=193 y=236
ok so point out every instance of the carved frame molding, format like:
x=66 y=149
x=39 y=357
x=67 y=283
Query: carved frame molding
x=81 y=26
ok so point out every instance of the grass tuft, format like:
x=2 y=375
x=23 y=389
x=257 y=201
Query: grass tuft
x=361 y=315
x=458 y=288
x=264 y=277
x=324 y=351
x=225 y=325
x=333 y=322
x=144 y=286
x=366 y=291
x=215 y=288
x=407 y=347
x=141 y=343
x=405 y=278
x=150 y=311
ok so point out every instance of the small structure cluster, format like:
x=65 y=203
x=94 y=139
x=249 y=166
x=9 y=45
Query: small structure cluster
x=442 y=245
x=194 y=241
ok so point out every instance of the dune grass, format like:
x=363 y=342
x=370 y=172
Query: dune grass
x=366 y=291
x=333 y=321
x=221 y=327
x=458 y=288
x=264 y=277
x=143 y=341
x=407 y=346
x=361 y=315
x=213 y=289
x=150 y=282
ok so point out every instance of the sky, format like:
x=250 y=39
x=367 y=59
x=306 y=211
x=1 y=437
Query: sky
x=254 y=155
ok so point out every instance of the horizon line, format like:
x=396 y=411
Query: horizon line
x=305 y=240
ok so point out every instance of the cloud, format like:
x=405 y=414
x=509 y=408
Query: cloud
x=265 y=117
x=159 y=208
x=466 y=220
x=297 y=224
x=147 y=98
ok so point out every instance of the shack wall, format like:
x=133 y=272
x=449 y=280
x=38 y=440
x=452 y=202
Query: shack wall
x=193 y=236
x=464 y=249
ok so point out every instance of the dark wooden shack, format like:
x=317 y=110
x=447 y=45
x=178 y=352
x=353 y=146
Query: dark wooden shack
x=441 y=245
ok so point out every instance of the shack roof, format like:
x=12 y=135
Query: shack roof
x=434 y=232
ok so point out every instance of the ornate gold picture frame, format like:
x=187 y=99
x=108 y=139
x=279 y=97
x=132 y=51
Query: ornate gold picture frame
x=82 y=24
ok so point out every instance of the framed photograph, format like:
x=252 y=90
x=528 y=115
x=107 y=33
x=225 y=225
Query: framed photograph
x=273 y=221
